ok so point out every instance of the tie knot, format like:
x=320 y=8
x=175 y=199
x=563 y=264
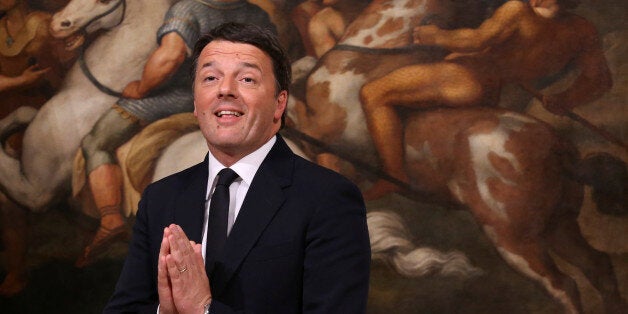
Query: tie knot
x=226 y=176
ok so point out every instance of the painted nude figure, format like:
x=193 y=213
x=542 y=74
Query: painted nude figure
x=521 y=43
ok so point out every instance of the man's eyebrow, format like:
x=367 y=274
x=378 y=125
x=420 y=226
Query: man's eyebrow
x=206 y=65
x=251 y=65
x=242 y=64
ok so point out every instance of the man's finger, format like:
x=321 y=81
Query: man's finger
x=162 y=271
x=199 y=254
x=174 y=270
x=163 y=284
x=42 y=71
x=164 y=287
x=164 y=249
x=179 y=241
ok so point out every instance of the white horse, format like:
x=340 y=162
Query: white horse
x=113 y=59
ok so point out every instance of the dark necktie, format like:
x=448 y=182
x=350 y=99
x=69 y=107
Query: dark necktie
x=218 y=218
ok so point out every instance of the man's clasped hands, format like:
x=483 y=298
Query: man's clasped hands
x=182 y=283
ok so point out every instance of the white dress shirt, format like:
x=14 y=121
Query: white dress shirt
x=246 y=169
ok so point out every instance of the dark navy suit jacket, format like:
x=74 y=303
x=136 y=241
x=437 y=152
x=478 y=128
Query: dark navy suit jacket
x=300 y=242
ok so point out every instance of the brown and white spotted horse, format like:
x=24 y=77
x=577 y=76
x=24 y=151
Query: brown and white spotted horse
x=519 y=180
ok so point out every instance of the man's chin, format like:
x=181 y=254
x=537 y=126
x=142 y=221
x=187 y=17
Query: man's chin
x=226 y=144
x=225 y=138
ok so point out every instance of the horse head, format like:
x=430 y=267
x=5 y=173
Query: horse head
x=86 y=16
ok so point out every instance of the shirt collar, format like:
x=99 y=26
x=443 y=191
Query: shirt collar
x=245 y=167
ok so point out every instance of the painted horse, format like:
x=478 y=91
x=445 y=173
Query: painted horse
x=523 y=184
x=114 y=58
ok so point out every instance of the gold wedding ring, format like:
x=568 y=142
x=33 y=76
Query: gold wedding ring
x=183 y=269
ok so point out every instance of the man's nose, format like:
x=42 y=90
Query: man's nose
x=227 y=88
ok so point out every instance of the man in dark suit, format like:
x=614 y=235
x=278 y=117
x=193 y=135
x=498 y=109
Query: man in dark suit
x=297 y=236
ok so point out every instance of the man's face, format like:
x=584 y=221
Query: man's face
x=235 y=99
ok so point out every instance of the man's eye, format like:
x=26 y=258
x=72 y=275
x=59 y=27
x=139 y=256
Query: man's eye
x=210 y=78
x=248 y=80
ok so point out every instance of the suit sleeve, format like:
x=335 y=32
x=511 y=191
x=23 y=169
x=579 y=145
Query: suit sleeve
x=136 y=290
x=218 y=307
x=337 y=254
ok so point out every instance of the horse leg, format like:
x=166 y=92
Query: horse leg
x=15 y=184
x=568 y=242
x=16 y=120
x=14 y=226
x=11 y=127
x=530 y=257
x=514 y=207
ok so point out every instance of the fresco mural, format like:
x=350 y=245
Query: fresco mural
x=488 y=137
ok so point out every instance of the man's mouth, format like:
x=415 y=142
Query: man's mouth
x=228 y=113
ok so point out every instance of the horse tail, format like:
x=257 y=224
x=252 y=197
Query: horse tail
x=390 y=242
x=608 y=177
x=150 y=143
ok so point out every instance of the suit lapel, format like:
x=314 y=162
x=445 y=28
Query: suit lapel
x=264 y=198
x=190 y=205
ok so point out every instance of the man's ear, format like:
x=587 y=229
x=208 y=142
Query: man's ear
x=195 y=113
x=282 y=103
